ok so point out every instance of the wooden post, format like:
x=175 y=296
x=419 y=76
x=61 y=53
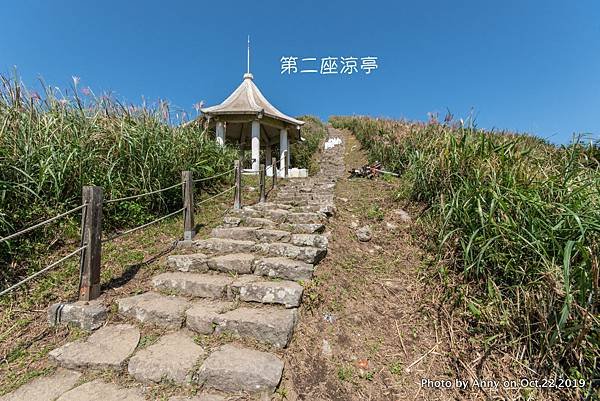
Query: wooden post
x=237 y=200
x=261 y=182
x=91 y=256
x=274 y=171
x=188 y=204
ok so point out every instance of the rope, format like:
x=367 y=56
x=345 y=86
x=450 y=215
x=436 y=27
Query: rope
x=214 y=176
x=45 y=269
x=142 y=226
x=42 y=223
x=140 y=195
x=214 y=196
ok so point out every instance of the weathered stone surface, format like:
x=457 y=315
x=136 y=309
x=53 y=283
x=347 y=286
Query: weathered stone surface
x=305 y=218
x=195 y=262
x=314 y=240
x=172 y=358
x=233 y=368
x=267 y=324
x=98 y=390
x=270 y=235
x=154 y=308
x=271 y=205
x=306 y=254
x=402 y=215
x=275 y=214
x=107 y=348
x=224 y=245
x=280 y=267
x=259 y=222
x=193 y=284
x=364 y=234
x=47 y=388
x=241 y=263
x=237 y=233
x=201 y=316
x=250 y=289
x=304 y=228
x=200 y=397
x=232 y=221
x=85 y=315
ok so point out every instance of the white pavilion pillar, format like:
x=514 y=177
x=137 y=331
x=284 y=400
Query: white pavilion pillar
x=283 y=150
x=220 y=133
x=268 y=156
x=255 y=145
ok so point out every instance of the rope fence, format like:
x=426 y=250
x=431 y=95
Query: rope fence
x=90 y=249
x=3 y=239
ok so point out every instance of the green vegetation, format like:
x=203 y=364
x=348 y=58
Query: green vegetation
x=303 y=154
x=53 y=145
x=518 y=219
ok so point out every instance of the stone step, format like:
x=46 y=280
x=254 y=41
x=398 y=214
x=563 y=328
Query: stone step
x=254 y=289
x=232 y=368
x=156 y=309
x=99 y=390
x=45 y=388
x=258 y=222
x=306 y=254
x=280 y=267
x=247 y=288
x=270 y=325
x=312 y=240
x=270 y=205
x=193 y=284
x=302 y=228
x=240 y=263
x=107 y=348
x=199 y=397
x=224 y=245
x=201 y=316
x=236 y=233
x=173 y=358
x=195 y=262
x=304 y=218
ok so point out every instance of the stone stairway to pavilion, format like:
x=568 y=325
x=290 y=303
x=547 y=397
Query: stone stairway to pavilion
x=241 y=287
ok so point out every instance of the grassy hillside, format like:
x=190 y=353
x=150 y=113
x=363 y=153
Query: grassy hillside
x=517 y=219
x=51 y=145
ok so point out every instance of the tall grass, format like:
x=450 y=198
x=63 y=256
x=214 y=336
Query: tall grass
x=51 y=145
x=519 y=219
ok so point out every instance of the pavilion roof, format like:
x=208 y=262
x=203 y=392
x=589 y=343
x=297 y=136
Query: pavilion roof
x=248 y=99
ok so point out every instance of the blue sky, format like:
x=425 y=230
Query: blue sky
x=529 y=66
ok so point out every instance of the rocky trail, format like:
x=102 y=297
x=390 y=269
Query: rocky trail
x=216 y=324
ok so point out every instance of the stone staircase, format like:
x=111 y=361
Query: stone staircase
x=242 y=285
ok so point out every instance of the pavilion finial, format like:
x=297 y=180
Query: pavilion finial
x=248 y=66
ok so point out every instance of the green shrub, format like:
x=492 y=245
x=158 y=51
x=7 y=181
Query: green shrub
x=521 y=221
x=302 y=154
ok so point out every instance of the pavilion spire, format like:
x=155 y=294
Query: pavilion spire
x=248 y=64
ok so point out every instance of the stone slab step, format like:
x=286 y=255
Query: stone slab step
x=47 y=388
x=266 y=324
x=193 y=284
x=173 y=357
x=254 y=289
x=241 y=263
x=201 y=316
x=236 y=233
x=270 y=206
x=280 y=267
x=314 y=240
x=156 y=309
x=258 y=222
x=195 y=262
x=307 y=254
x=107 y=348
x=224 y=245
x=302 y=228
x=99 y=390
x=232 y=368
x=303 y=218
x=199 y=397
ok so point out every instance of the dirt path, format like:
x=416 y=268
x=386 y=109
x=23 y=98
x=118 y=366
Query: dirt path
x=368 y=329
